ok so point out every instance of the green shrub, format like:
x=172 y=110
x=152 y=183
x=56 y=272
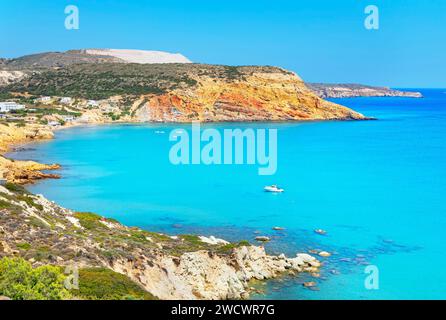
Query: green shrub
x=89 y=220
x=4 y=204
x=15 y=187
x=30 y=202
x=19 y=281
x=24 y=246
x=228 y=248
x=105 y=284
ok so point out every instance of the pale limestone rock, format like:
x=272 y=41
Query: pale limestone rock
x=201 y=275
x=212 y=240
x=324 y=254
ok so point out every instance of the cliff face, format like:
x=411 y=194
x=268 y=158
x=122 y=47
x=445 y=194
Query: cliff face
x=257 y=95
x=23 y=171
x=186 y=92
x=13 y=134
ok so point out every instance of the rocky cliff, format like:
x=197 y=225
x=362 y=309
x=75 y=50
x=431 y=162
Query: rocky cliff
x=23 y=171
x=187 y=92
x=257 y=94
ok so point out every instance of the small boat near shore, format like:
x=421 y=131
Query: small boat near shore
x=273 y=188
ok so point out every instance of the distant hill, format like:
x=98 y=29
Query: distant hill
x=327 y=90
x=161 y=86
x=183 y=92
x=63 y=59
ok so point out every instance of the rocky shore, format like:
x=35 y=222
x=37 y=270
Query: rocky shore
x=103 y=91
x=168 y=267
x=23 y=172
x=96 y=87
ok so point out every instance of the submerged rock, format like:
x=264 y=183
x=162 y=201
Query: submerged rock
x=309 y=284
x=324 y=254
x=263 y=239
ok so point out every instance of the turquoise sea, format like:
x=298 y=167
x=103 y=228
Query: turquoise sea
x=377 y=187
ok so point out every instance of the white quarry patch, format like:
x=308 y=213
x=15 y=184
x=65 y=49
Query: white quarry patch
x=141 y=56
x=212 y=240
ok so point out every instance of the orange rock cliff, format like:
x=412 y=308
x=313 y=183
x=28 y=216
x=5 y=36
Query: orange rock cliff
x=257 y=95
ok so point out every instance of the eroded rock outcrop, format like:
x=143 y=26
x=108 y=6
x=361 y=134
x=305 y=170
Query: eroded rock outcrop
x=206 y=275
x=23 y=171
x=184 y=92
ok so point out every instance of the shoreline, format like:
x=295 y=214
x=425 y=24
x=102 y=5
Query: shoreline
x=11 y=146
x=247 y=256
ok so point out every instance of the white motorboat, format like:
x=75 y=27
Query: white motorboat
x=273 y=188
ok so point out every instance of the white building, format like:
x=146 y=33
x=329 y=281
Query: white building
x=8 y=106
x=92 y=103
x=54 y=123
x=66 y=100
x=68 y=118
x=44 y=99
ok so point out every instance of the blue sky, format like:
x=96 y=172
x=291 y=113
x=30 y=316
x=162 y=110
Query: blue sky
x=321 y=40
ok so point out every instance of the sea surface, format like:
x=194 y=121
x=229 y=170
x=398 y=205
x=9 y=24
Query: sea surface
x=377 y=187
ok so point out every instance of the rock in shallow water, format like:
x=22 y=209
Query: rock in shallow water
x=324 y=254
x=262 y=239
x=309 y=284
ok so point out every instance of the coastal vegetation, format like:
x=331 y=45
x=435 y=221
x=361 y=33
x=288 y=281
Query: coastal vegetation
x=105 y=284
x=81 y=89
x=101 y=81
x=120 y=262
x=20 y=281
